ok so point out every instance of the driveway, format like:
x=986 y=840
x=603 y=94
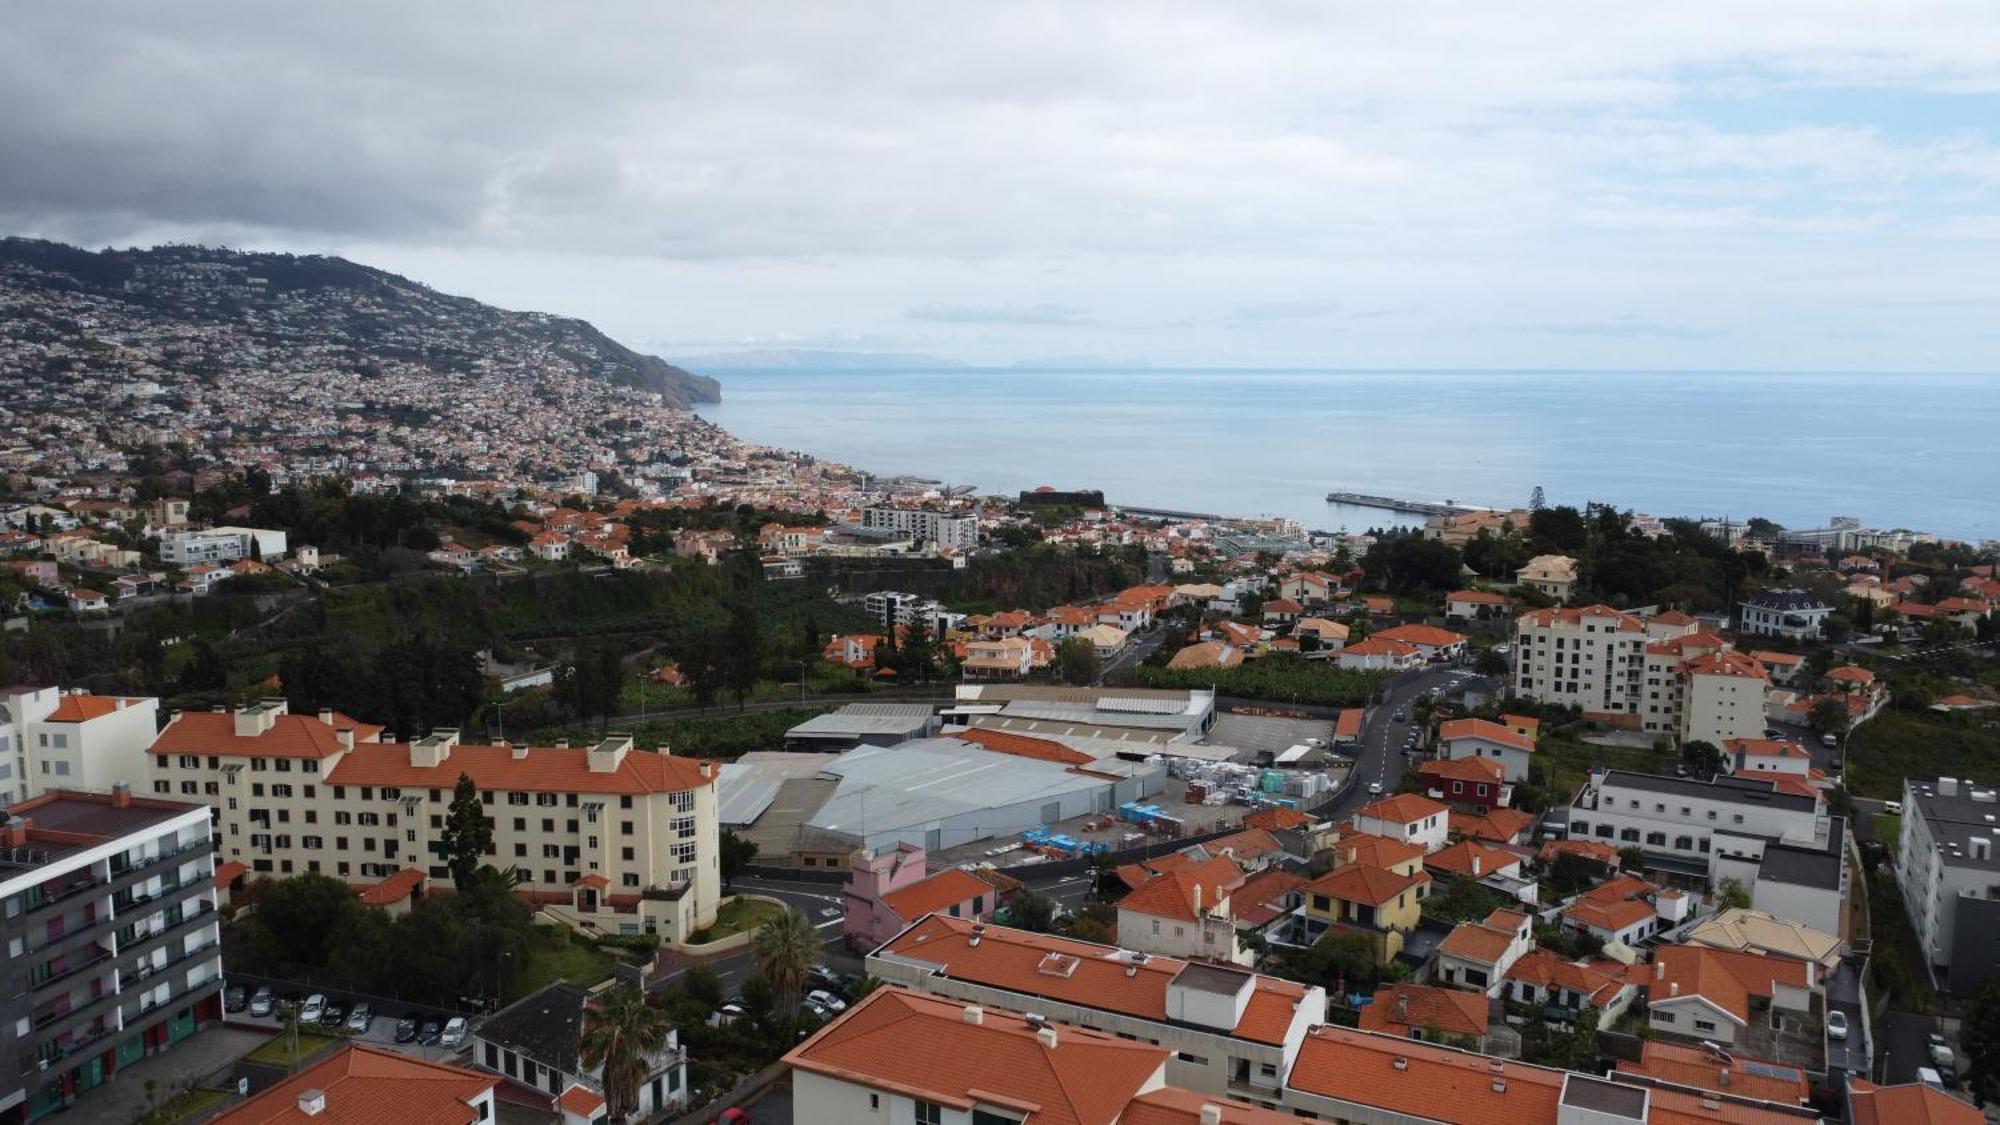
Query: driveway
x=1843 y=994
x=1903 y=1045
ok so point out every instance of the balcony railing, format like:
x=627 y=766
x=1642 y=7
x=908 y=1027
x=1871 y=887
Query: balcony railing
x=57 y=978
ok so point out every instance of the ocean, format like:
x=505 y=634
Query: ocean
x=1893 y=450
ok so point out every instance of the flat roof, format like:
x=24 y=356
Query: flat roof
x=64 y=822
x=886 y=788
x=1955 y=819
x=858 y=719
x=1738 y=790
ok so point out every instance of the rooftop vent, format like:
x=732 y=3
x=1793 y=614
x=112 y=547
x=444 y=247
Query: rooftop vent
x=1046 y=1036
x=1499 y=1085
x=973 y=1014
x=1057 y=965
x=1211 y=1115
x=1400 y=1063
x=312 y=1103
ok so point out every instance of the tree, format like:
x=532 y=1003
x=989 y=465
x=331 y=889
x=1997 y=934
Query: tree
x=918 y=657
x=1631 y=858
x=1979 y=1033
x=467 y=836
x=1077 y=662
x=1730 y=895
x=743 y=655
x=704 y=984
x=1341 y=959
x=622 y=1034
x=1489 y=663
x=298 y=917
x=1828 y=716
x=1701 y=756
x=1032 y=911
x=736 y=855
x=786 y=947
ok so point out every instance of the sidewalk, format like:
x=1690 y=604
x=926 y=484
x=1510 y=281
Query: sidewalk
x=210 y=1051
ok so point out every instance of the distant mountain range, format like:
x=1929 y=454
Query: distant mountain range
x=287 y=301
x=815 y=359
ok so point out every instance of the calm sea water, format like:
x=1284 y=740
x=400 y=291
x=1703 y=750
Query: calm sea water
x=1918 y=451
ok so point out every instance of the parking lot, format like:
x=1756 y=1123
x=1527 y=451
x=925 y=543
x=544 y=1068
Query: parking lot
x=1250 y=735
x=381 y=1031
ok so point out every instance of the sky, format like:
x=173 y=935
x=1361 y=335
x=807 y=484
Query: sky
x=1715 y=186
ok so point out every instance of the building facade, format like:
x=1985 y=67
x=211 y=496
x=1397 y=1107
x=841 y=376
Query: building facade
x=924 y=526
x=112 y=938
x=1795 y=614
x=51 y=739
x=1951 y=877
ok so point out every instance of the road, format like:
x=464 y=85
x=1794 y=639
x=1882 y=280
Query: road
x=1381 y=759
x=1134 y=653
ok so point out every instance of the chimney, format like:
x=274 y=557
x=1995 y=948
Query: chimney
x=14 y=833
x=562 y=743
x=1722 y=1077
x=520 y=751
x=312 y=1103
x=1211 y=1115
x=344 y=736
x=1197 y=898
x=1475 y=865
x=1402 y=1007
x=121 y=795
x=1947 y=787
x=1673 y=988
x=1400 y=1063
x=978 y=932
x=974 y=1014
x=118 y=702
x=1046 y=1036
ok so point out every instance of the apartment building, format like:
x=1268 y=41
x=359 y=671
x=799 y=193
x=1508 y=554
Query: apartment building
x=894 y=607
x=51 y=739
x=925 y=526
x=1793 y=613
x=1592 y=658
x=622 y=838
x=1744 y=828
x=220 y=545
x=1950 y=873
x=113 y=946
x=1234 y=1033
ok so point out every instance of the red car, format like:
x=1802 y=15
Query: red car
x=734 y=1117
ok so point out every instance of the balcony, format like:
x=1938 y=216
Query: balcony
x=103 y=957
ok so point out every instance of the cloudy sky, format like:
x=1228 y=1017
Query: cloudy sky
x=1804 y=185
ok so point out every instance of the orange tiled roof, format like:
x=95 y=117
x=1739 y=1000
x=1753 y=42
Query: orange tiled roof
x=1484 y=597
x=1365 y=884
x=1483 y=728
x=1459 y=859
x=1401 y=808
x=544 y=769
x=1728 y=663
x=1588 y=849
x=1423 y=1081
x=395 y=888
x=581 y=1101
x=1766 y=747
x=925 y=1047
x=1486 y=771
x=1726 y=978
x=1376 y=851
x=1853 y=674
x=945 y=889
x=1913 y=1104
x=1454 y=1010
x=1174 y=894
x=1253 y=901
x=1700 y=1069
x=1170 y=1105
x=1079 y=972
x=1429 y=635
x=1501 y=826
x=1476 y=941
x=1545 y=617
x=228 y=872
x=290 y=736
x=1544 y=969
x=1380 y=646
x=1277 y=818
x=1249 y=844
x=365 y=1084
x=1613 y=905
x=1789 y=783
x=83 y=708
x=1024 y=746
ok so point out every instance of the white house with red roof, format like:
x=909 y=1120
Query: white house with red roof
x=1477 y=955
x=1185 y=912
x=1476 y=605
x=1379 y=654
x=51 y=739
x=1406 y=817
x=1430 y=641
x=1483 y=738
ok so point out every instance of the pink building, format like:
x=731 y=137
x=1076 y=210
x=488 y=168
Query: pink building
x=891 y=887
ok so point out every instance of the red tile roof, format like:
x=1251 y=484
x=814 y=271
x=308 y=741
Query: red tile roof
x=1380 y=646
x=1425 y=635
x=924 y=1047
x=1277 y=818
x=1702 y=1070
x=1365 y=884
x=364 y=1085
x=1471 y=859
x=1261 y=897
x=1249 y=844
x=83 y=708
x=1726 y=978
x=1544 y=969
x=1455 y=1011
x=1545 y=617
x=581 y=1101
x=1914 y=1104
x=1501 y=826
x=543 y=770
x=1588 y=849
x=1376 y=851
x=395 y=888
x=1487 y=771
x=228 y=872
x=1613 y=905
x=1183 y=893
x=1423 y=1081
x=1079 y=972
x=1490 y=731
x=1171 y=1105
x=941 y=891
x=1135 y=875
x=1024 y=746
x=1484 y=597
x=1401 y=808
x=290 y=736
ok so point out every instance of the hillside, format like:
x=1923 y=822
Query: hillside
x=246 y=308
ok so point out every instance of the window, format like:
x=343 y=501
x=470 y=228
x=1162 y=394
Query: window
x=281 y=790
x=1704 y=1025
x=630 y=879
x=1662 y=1017
x=926 y=1113
x=625 y=828
x=682 y=853
x=520 y=824
x=163 y=787
x=684 y=827
x=625 y=854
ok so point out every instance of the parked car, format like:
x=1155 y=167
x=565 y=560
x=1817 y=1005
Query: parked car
x=333 y=1014
x=360 y=1019
x=1773 y=732
x=234 y=998
x=1940 y=1051
x=1893 y=808
x=1829 y=740
x=312 y=1009
x=1316 y=743
x=1400 y=715
x=819 y=1011
x=453 y=1034
x=1836 y=1025
x=433 y=1029
x=262 y=1002
x=827 y=1000
x=1374 y=789
x=407 y=1029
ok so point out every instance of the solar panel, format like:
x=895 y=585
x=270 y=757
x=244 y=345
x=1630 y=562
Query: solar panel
x=1769 y=1070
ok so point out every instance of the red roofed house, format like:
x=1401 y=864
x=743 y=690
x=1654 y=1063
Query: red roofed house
x=1185 y=912
x=1363 y=898
x=1916 y=1103
x=1496 y=826
x=1417 y=1011
x=73 y=740
x=1481 y=738
x=1406 y=817
x=1476 y=605
x=1475 y=784
x=1621 y=909
x=891 y=887
x=1720 y=995
x=1564 y=988
x=1434 y=643
x=1768 y=756
x=1377 y=654
x=1477 y=955
x=361 y=1082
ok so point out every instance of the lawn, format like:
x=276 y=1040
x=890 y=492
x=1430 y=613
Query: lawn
x=555 y=955
x=1889 y=830
x=1567 y=763
x=1899 y=744
x=277 y=1050
x=736 y=916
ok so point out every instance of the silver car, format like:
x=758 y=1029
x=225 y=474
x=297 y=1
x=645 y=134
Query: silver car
x=454 y=1032
x=360 y=1019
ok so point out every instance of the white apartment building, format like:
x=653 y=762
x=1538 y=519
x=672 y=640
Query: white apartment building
x=220 y=545
x=1950 y=874
x=894 y=607
x=941 y=528
x=622 y=838
x=50 y=739
x=1592 y=658
x=1686 y=826
x=1798 y=614
x=1724 y=698
x=111 y=929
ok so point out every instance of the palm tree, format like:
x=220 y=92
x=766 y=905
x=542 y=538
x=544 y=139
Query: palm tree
x=787 y=946
x=622 y=1034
